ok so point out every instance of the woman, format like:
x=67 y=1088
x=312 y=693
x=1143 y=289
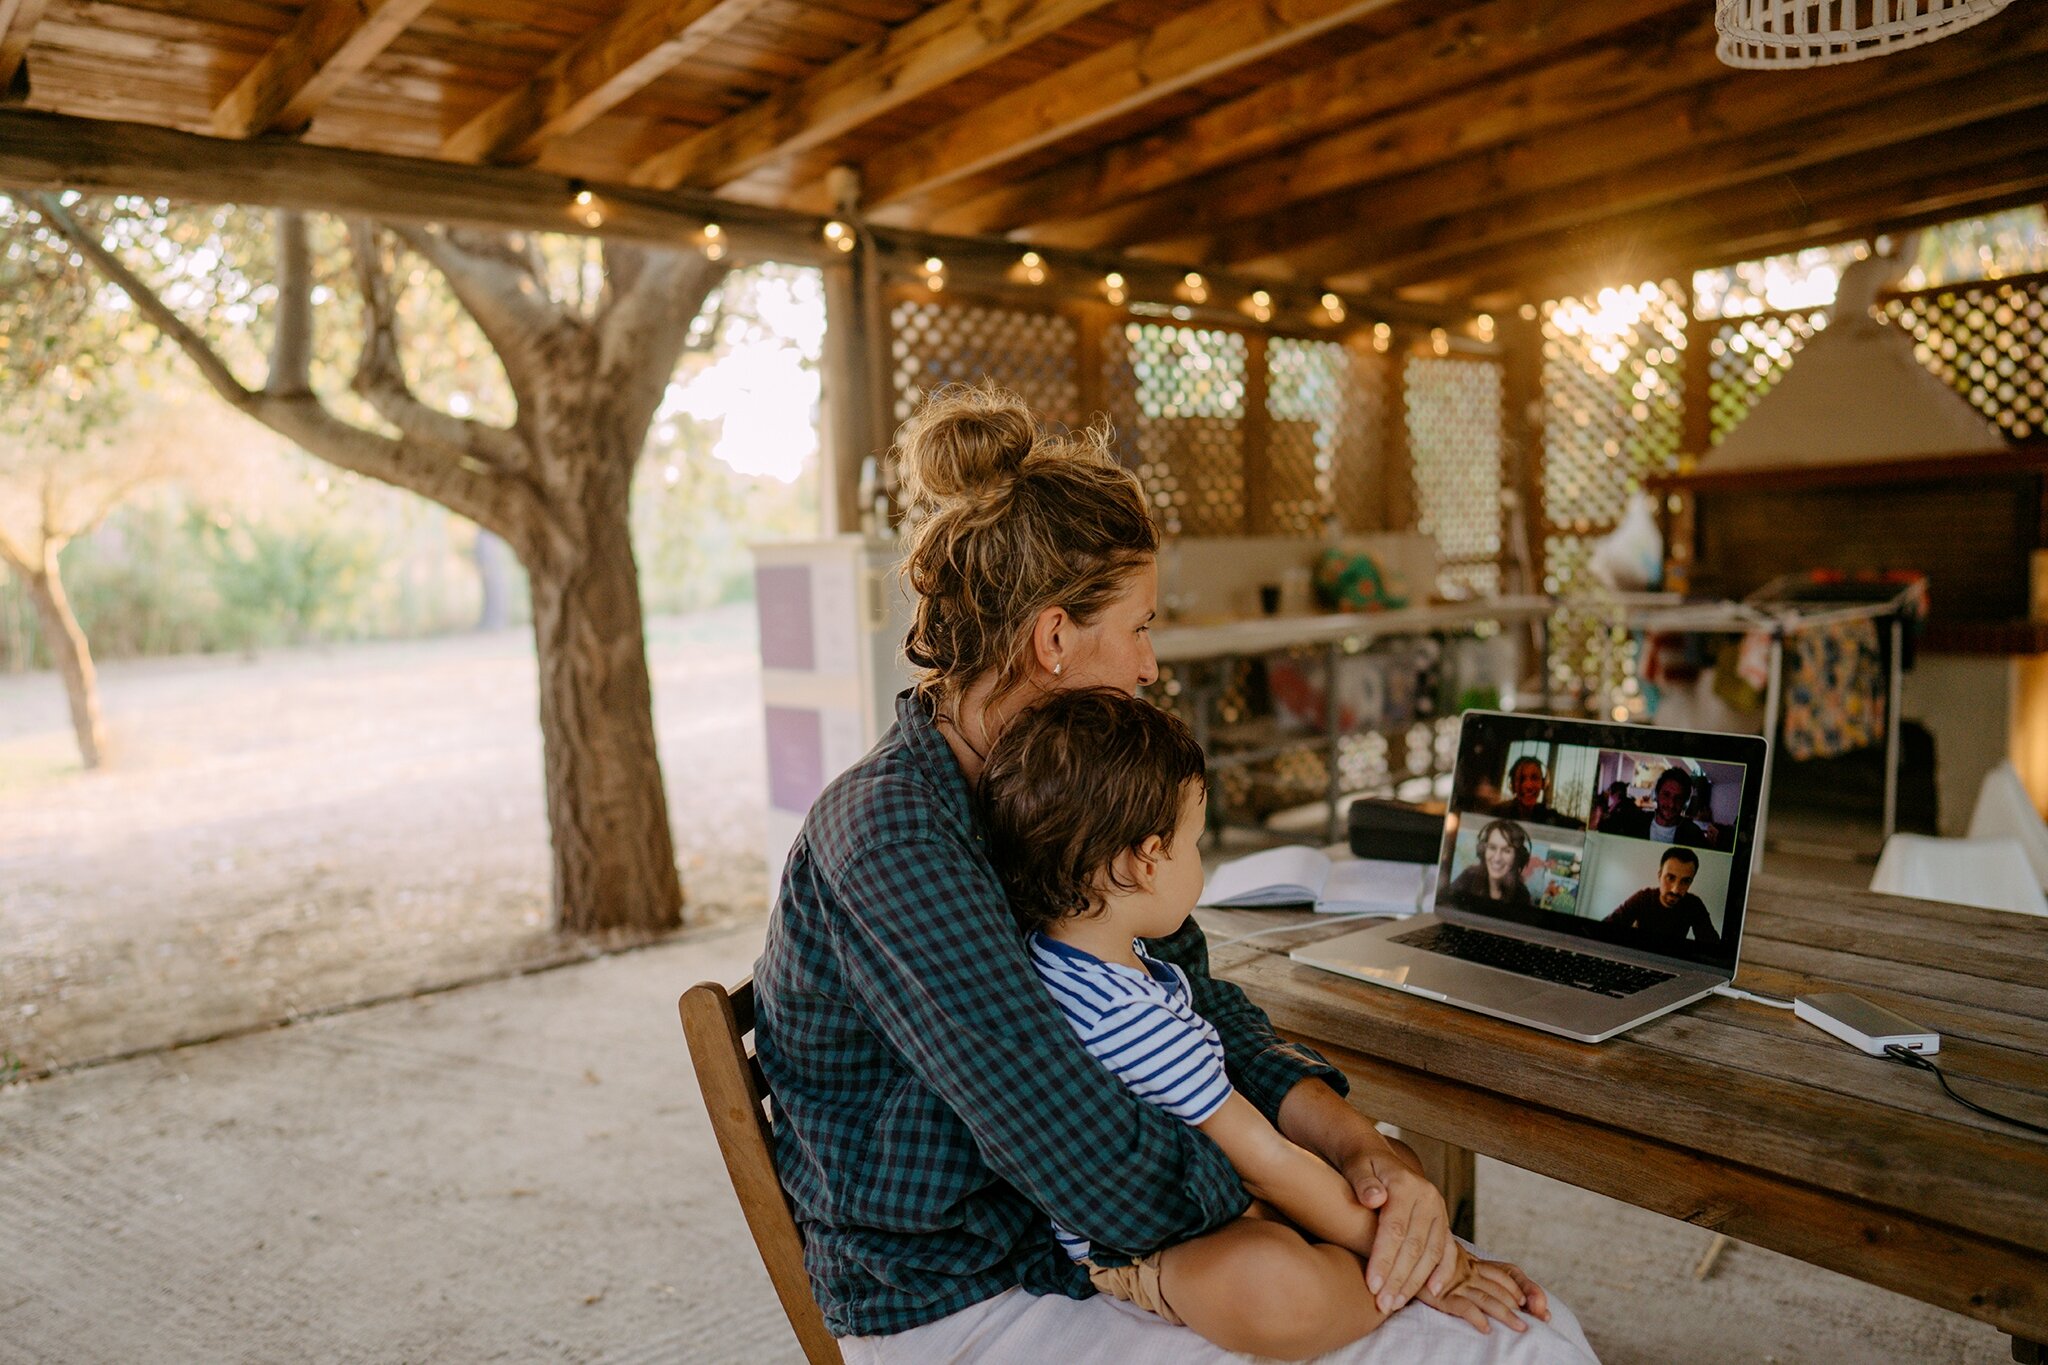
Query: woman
x=932 y=1104
x=1495 y=882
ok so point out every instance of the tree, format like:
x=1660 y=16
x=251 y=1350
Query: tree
x=67 y=382
x=587 y=353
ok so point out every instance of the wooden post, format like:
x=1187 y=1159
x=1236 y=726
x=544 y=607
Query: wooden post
x=1398 y=502
x=1696 y=433
x=1257 y=433
x=1522 y=440
x=845 y=430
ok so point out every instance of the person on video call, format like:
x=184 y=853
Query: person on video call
x=1662 y=918
x=1713 y=834
x=1526 y=785
x=1607 y=803
x=1664 y=822
x=1495 y=881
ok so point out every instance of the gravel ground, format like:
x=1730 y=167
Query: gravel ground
x=284 y=834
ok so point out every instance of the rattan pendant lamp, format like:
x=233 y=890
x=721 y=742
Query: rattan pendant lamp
x=1778 y=34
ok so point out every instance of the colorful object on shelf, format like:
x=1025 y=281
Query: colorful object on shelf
x=1349 y=581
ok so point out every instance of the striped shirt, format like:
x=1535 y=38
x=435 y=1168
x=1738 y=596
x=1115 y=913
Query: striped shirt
x=1143 y=1027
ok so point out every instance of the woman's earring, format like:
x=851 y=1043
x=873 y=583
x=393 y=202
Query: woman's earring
x=1055 y=670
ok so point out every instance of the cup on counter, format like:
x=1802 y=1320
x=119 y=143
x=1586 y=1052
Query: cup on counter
x=1269 y=598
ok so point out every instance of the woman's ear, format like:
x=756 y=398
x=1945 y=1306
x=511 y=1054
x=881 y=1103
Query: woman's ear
x=1051 y=637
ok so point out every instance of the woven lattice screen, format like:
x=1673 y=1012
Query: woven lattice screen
x=1747 y=357
x=1613 y=390
x=1988 y=340
x=1176 y=396
x=1454 y=447
x=1030 y=352
x=1325 y=405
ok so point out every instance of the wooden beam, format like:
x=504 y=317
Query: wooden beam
x=1855 y=197
x=1610 y=77
x=18 y=20
x=944 y=43
x=1187 y=49
x=40 y=151
x=612 y=62
x=1445 y=53
x=1411 y=252
x=329 y=43
x=1325 y=239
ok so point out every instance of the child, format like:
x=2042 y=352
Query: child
x=1093 y=805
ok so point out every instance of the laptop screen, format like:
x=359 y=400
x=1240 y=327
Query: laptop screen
x=1624 y=834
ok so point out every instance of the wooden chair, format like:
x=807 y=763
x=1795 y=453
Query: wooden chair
x=735 y=1095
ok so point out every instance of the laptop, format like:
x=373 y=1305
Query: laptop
x=1591 y=877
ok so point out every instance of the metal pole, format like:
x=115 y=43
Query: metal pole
x=1332 y=724
x=1896 y=686
x=1773 y=697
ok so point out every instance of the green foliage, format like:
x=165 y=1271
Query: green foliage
x=279 y=582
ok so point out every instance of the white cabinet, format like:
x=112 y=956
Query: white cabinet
x=833 y=616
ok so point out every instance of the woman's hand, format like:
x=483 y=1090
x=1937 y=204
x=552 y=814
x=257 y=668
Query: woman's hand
x=1413 y=1247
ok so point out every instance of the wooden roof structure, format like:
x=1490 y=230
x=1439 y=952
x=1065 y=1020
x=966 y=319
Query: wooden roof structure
x=1445 y=151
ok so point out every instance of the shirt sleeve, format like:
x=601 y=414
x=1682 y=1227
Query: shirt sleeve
x=1162 y=1059
x=1260 y=1064
x=939 y=970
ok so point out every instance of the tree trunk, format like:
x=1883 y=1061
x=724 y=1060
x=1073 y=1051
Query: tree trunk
x=614 y=858
x=73 y=657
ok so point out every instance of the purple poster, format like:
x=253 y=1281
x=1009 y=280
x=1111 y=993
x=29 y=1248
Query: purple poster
x=796 y=758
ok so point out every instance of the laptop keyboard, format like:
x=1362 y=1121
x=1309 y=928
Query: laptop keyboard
x=1581 y=971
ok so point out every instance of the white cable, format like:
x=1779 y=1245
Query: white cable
x=1319 y=919
x=1735 y=994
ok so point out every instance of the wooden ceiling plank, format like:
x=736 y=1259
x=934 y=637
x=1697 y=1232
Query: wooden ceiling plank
x=1834 y=197
x=1604 y=79
x=596 y=73
x=2013 y=87
x=18 y=20
x=1303 y=244
x=1192 y=47
x=941 y=45
x=329 y=43
x=1436 y=56
x=1492 y=290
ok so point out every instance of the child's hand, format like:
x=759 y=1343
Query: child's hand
x=1489 y=1289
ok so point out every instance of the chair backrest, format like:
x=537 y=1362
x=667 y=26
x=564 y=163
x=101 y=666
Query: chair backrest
x=716 y=1024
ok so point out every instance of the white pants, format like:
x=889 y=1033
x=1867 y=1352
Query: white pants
x=1017 y=1328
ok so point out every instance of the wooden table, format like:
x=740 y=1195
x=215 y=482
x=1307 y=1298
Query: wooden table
x=1738 y=1117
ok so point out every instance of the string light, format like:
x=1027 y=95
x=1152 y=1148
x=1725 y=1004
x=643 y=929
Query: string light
x=839 y=235
x=1439 y=341
x=1333 y=308
x=934 y=274
x=1194 y=288
x=1482 y=326
x=1113 y=287
x=1260 y=305
x=587 y=209
x=1382 y=336
x=714 y=242
x=1033 y=266
x=1527 y=312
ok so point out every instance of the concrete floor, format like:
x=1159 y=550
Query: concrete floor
x=521 y=1171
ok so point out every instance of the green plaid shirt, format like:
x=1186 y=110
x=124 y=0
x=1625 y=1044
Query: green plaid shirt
x=932 y=1107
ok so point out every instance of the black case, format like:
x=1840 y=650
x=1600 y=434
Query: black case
x=1395 y=832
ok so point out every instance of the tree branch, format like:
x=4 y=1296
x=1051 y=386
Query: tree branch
x=642 y=332
x=291 y=350
x=498 y=290
x=302 y=418
x=211 y=367
x=380 y=375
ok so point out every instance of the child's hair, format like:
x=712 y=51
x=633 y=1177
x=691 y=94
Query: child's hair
x=1015 y=520
x=1073 y=782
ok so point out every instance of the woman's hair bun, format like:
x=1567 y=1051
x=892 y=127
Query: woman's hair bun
x=964 y=441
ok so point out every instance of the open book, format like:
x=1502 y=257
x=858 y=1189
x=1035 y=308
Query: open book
x=1295 y=875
